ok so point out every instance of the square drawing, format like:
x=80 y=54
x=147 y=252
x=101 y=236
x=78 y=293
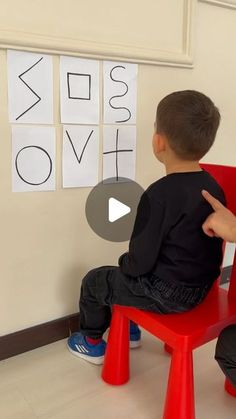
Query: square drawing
x=79 y=86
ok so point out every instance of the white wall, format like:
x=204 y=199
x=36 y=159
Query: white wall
x=46 y=244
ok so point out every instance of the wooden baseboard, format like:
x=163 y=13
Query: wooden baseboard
x=36 y=336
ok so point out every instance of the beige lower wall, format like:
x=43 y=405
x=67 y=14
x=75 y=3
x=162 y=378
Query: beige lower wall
x=46 y=244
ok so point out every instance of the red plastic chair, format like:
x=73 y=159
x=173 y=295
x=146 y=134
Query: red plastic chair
x=181 y=332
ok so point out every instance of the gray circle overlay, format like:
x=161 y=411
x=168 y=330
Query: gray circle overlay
x=97 y=208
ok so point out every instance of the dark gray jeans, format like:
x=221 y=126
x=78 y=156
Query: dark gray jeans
x=226 y=352
x=105 y=286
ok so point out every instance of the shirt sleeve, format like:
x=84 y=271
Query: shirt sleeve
x=146 y=238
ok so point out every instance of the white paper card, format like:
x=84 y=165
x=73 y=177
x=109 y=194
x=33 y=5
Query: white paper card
x=30 y=87
x=33 y=158
x=120 y=92
x=79 y=90
x=80 y=155
x=119 y=150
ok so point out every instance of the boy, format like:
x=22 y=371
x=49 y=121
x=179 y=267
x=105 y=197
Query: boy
x=171 y=264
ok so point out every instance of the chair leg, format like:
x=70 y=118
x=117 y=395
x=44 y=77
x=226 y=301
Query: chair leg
x=116 y=364
x=179 y=402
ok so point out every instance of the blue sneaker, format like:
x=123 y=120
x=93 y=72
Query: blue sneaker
x=135 y=336
x=78 y=346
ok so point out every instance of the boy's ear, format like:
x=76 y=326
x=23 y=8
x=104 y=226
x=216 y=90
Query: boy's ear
x=160 y=142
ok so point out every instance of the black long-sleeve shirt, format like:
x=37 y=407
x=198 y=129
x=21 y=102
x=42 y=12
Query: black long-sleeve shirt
x=167 y=239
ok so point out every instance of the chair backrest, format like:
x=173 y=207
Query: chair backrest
x=226 y=177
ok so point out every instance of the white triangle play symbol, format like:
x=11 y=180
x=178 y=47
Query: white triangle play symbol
x=116 y=209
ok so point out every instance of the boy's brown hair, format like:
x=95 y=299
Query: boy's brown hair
x=189 y=120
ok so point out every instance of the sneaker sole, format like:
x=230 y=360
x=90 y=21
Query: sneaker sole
x=135 y=344
x=98 y=360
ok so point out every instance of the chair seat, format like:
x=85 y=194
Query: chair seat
x=198 y=326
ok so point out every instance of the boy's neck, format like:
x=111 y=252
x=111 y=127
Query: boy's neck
x=182 y=166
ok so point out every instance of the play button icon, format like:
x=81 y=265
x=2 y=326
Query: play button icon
x=111 y=208
x=117 y=210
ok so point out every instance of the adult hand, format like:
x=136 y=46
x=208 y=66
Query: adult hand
x=221 y=223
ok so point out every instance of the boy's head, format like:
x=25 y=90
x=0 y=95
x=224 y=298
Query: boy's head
x=188 y=121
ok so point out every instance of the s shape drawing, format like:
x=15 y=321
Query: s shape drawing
x=123 y=94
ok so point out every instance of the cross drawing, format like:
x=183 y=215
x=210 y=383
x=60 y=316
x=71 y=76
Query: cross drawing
x=117 y=151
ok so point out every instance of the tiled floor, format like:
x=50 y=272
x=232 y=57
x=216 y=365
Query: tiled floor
x=50 y=383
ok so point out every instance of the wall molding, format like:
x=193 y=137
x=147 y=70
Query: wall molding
x=10 y=38
x=230 y=4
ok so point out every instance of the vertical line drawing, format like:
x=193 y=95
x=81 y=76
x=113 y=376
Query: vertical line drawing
x=23 y=81
x=123 y=94
x=79 y=159
x=117 y=137
x=117 y=151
